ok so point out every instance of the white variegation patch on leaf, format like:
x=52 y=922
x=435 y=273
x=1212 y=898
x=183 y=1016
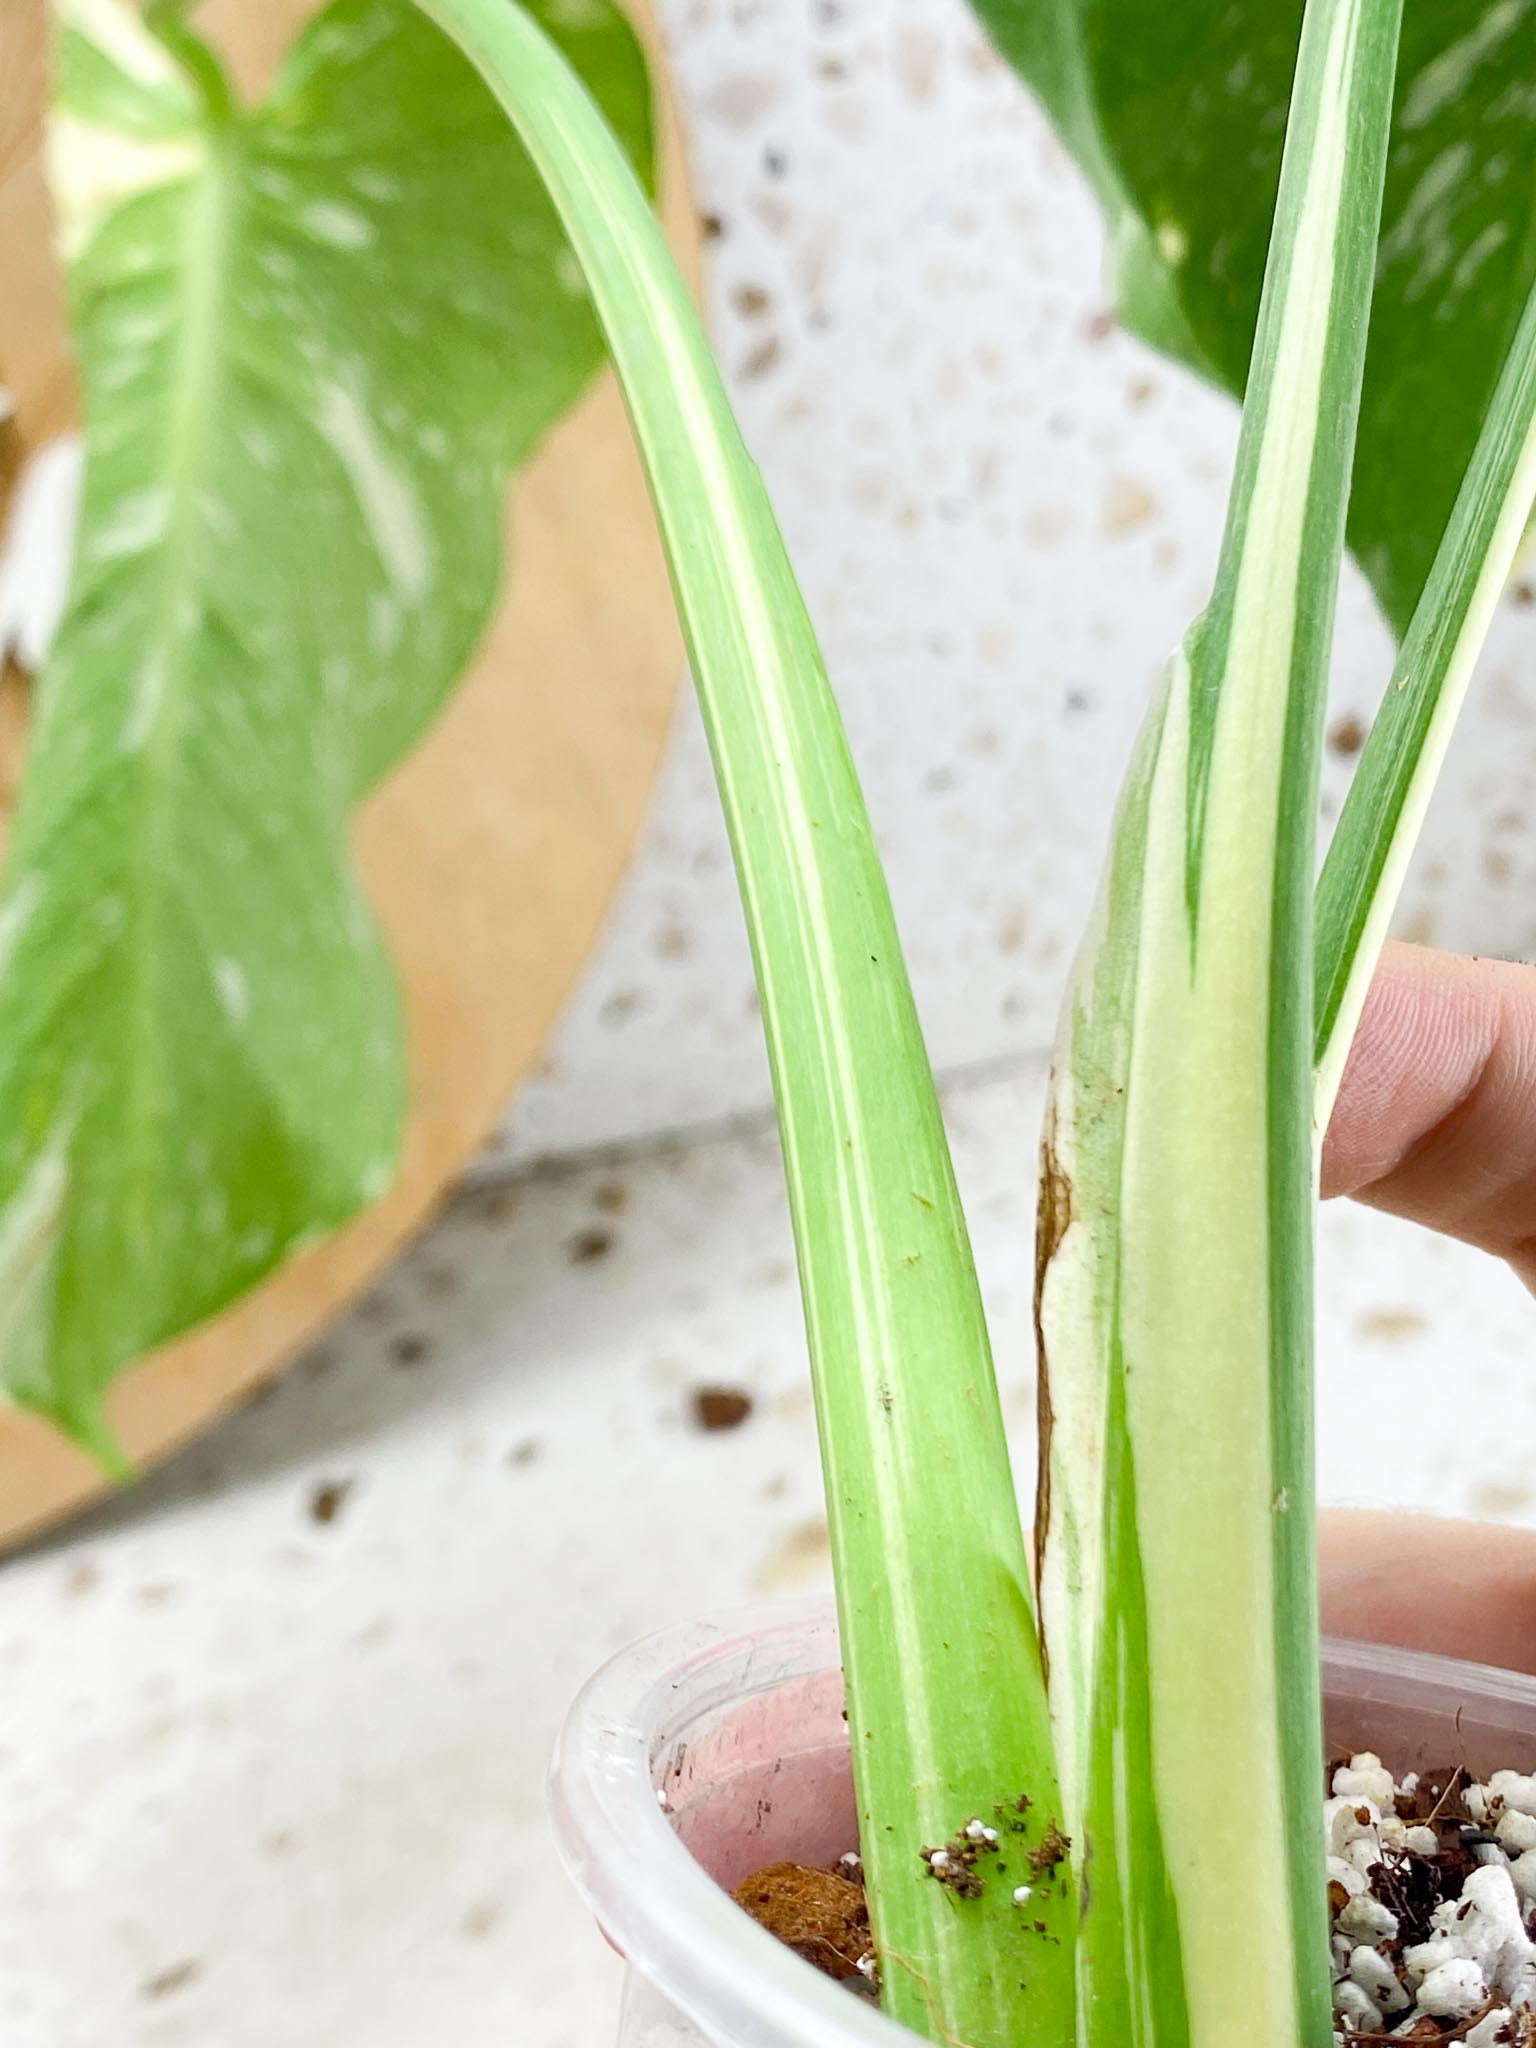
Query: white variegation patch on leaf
x=317 y=339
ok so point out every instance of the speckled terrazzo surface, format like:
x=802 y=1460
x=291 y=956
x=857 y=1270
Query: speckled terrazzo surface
x=274 y=1726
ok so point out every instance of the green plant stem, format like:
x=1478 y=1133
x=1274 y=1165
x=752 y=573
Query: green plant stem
x=946 y=1701
x=1363 y=873
x=1178 y=1541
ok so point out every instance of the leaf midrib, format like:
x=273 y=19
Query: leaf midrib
x=198 y=371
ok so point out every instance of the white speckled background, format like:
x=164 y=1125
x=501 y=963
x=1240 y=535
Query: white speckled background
x=273 y=1727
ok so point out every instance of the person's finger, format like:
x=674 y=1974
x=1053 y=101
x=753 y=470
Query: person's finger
x=1464 y=1589
x=1436 y=1118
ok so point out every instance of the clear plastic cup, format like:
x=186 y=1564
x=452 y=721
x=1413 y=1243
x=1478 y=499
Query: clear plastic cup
x=709 y=1751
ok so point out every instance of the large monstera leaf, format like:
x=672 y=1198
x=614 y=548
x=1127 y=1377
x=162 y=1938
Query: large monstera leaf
x=1177 y=113
x=317 y=339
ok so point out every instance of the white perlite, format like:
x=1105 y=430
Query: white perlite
x=1480 y=1950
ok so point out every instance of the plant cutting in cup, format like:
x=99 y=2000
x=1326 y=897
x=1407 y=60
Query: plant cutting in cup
x=1203 y=1038
x=1041 y=1859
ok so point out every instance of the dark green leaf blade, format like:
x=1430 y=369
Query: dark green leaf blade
x=1177 y=115
x=317 y=339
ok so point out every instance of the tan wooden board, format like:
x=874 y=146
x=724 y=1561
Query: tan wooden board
x=492 y=854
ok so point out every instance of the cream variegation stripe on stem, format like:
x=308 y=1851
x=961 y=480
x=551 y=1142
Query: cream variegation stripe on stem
x=1368 y=858
x=946 y=1698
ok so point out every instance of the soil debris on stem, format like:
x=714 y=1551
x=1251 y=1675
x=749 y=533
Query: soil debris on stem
x=1052 y=1849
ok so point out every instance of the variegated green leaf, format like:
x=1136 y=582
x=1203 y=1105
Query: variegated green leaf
x=317 y=338
x=1176 y=115
x=1176 y=1547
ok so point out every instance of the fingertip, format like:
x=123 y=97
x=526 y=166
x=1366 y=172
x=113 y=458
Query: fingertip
x=1432 y=1023
x=1459 y=1589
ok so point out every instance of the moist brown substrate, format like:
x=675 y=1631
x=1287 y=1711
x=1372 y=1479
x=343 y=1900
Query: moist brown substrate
x=820 y=1914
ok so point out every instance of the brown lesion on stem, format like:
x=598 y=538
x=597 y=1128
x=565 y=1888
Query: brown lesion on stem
x=1053 y=1220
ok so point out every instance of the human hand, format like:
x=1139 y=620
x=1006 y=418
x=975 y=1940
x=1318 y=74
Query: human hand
x=1436 y=1118
x=1436 y=1121
x=1465 y=1589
